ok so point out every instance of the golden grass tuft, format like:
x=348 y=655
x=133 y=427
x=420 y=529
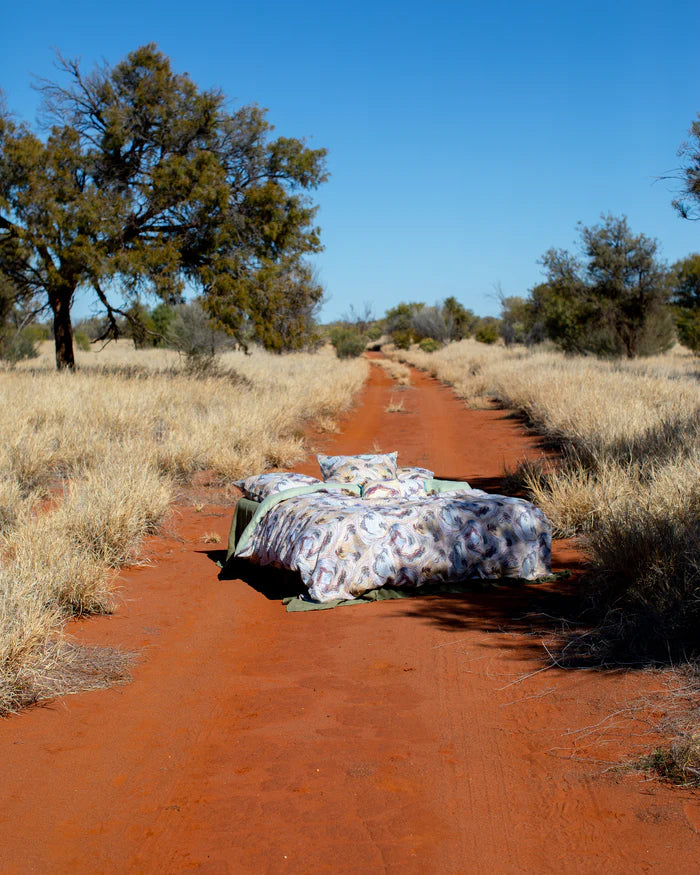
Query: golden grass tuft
x=395 y=406
x=11 y=503
x=395 y=369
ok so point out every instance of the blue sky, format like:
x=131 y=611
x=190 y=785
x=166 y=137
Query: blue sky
x=464 y=139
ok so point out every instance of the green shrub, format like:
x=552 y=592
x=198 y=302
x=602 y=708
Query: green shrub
x=402 y=338
x=348 y=342
x=429 y=345
x=82 y=339
x=375 y=331
x=688 y=325
x=36 y=332
x=487 y=333
x=15 y=346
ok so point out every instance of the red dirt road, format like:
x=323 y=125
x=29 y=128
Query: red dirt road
x=410 y=736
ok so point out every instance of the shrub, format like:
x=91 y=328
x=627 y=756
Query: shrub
x=82 y=339
x=192 y=333
x=348 y=342
x=428 y=322
x=16 y=346
x=429 y=345
x=688 y=326
x=37 y=332
x=487 y=331
x=402 y=339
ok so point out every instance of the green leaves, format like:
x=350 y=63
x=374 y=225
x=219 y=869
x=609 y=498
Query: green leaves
x=146 y=183
x=611 y=301
x=688 y=203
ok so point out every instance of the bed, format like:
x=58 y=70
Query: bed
x=357 y=531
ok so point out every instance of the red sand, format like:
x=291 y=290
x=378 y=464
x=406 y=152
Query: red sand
x=403 y=736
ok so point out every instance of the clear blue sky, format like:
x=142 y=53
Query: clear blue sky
x=464 y=139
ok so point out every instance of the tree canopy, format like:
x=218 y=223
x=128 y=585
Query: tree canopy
x=685 y=297
x=146 y=184
x=610 y=299
x=688 y=201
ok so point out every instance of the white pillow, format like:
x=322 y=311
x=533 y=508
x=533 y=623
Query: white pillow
x=259 y=486
x=358 y=469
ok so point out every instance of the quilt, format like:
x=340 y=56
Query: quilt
x=346 y=545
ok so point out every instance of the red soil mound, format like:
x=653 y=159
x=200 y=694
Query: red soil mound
x=408 y=736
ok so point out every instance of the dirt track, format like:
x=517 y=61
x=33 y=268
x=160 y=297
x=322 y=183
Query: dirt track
x=407 y=736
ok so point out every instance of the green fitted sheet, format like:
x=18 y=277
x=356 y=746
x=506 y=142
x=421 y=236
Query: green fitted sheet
x=242 y=515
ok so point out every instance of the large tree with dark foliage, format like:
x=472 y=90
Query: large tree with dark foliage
x=610 y=299
x=145 y=183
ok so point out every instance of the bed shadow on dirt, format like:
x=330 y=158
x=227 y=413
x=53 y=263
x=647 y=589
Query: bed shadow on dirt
x=274 y=583
x=555 y=611
x=504 y=606
x=515 y=606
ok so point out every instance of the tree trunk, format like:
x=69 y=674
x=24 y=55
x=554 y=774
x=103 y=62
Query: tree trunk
x=63 y=332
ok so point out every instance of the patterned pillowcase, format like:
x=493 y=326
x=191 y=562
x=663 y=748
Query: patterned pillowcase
x=394 y=489
x=259 y=486
x=406 y=473
x=358 y=469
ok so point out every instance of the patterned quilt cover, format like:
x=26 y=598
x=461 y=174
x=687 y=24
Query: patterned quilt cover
x=344 y=545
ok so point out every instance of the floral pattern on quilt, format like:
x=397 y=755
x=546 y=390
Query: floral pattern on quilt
x=345 y=546
x=404 y=472
x=259 y=486
x=358 y=469
x=394 y=489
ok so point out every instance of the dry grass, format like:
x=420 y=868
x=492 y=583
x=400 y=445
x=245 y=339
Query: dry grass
x=106 y=446
x=395 y=369
x=678 y=759
x=629 y=480
x=395 y=406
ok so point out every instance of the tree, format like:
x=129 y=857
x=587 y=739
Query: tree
x=163 y=316
x=460 y=321
x=140 y=325
x=146 y=184
x=399 y=323
x=688 y=202
x=685 y=282
x=685 y=297
x=611 y=302
x=517 y=320
x=487 y=329
x=429 y=322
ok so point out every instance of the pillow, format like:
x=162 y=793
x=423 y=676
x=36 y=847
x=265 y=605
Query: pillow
x=394 y=489
x=453 y=487
x=358 y=469
x=406 y=473
x=259 y=486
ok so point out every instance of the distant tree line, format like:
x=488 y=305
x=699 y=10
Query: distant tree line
x=613 y=297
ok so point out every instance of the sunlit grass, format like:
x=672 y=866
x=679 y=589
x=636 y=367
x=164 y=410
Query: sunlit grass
x=629 y=477
x=89 y=461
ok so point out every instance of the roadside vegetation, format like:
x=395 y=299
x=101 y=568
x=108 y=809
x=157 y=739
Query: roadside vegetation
x=626 y=484
x=89 y=465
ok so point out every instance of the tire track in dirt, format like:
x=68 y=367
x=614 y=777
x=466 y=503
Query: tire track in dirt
x=392 y=737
